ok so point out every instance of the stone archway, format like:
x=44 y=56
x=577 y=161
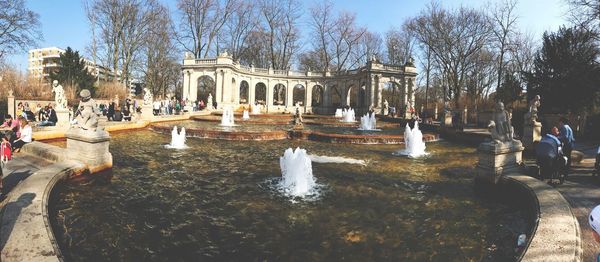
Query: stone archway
x=206 y=85
x=244 y=92
x=362 y=95
x=392 y=92
x=299 y=95
x=336 y=96
x=279 y=95
x=260 y=94
x=317 y=95
x=352 y=96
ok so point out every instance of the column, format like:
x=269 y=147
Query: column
x=308 y=98
x=251 y=91
x=289 y=94
x=185 y=88
x=235 y=91
x=193 y=87
x=269 y=95
x=219 y=87
x=371 y=91
x=11 y=104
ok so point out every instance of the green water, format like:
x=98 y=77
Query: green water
x=214 y=202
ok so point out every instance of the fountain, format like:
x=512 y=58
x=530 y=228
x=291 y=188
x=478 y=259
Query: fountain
x=339 y=113
x=348 y=116
x=296 y=170
x=368 y=123
x=227 y=118
x=256 y=110
x=177 y=139
x=413 y=142
x=246 y=116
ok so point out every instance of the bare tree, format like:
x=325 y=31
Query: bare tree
x=238 y=28
x=19 y=27
x=344 y=37
x=454 y=38
x=280 y=24
x=399 y=45
x=370 y=45
x=161 y=67
x=122 y=26
x=321 y=23
x=585 y=13
x=201 y=23
x=503 y=24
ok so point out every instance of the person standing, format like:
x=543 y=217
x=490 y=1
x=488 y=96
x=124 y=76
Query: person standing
x=567 y=138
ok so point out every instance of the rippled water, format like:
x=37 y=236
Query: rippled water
x=389 y=129
x=214 y=202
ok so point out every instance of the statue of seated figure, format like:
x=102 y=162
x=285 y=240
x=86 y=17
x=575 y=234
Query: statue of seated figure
x=87 y=113
x=500 y=126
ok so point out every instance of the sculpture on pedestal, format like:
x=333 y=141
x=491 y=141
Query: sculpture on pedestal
x=147 y=97
x=500 y=127
x=209 y=102
x=532 y=115
x=59 y=95
x=298 y=122
x=10 y=93
x=86 y=117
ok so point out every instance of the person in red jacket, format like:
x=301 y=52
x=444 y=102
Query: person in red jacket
x=5 y=150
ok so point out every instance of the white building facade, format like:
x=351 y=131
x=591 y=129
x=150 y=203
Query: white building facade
x=232 y=84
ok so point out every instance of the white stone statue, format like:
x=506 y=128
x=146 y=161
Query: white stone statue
x=188 y=55
x=87 y=113
x=10 y=93
x=147 y=97
x=59 y=95
x=209 y=102
x=532 y=115
x=500 y=127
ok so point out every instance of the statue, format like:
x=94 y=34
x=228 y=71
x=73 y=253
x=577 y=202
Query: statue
x=59 y=95
x=188 y=55
x=209 y=102
x=298 y=122
x=532 y=115
x=10 y=93
x=386 y=107
x=147 y=96
x=87 y=113
x=500 y=127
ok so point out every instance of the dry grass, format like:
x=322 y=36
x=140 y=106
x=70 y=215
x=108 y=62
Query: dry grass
x=109 y=90
x=23 y=87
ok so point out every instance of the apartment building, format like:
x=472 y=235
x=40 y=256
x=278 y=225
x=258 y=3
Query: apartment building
x=42 y=61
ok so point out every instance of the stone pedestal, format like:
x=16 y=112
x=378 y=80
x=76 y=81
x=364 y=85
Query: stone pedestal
x=89 y=147
x=62 y=115
x=496 y=159
x=532 y=132
x=447 y=119
x=147 y=113
x=10 y=102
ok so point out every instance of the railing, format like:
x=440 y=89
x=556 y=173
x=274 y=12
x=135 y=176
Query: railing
x=393 y=67
x=210 y=61
x=261 y=70
x=280 y=72
x=296 y=73
x=246 y=68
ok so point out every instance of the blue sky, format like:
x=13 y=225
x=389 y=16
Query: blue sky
x=64 y=22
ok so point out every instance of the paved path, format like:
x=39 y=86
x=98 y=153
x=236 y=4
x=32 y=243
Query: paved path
x=582 y=190
x=18 y=169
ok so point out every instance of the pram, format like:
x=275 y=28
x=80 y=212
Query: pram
x=549 y=158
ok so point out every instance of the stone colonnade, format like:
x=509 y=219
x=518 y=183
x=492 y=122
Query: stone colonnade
x=316 y=92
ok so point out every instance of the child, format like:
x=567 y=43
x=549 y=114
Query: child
x=5 y=150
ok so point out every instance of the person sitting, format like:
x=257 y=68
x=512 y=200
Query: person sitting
x=25 y=137
x=15 y=127
x=111 y=112
x=49 y=118
x=549 y=156
x=126 y=113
